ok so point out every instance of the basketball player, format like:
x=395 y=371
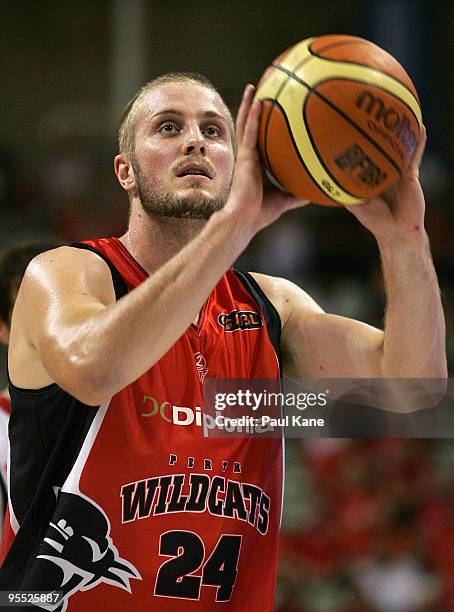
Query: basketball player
x=13 y=262
x=114 y=501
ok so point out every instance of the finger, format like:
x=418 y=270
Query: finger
x=390 y=196
x=293 y=203
x=251 y=129
x=364 y=207
x=284 y=201
x=356 y=209
x=416 y=161
x=243 y=111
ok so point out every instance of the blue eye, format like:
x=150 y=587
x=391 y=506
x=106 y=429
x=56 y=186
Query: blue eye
x=168 y=128
x=213 y=130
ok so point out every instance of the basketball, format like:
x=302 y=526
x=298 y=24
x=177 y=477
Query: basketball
x=340 y=121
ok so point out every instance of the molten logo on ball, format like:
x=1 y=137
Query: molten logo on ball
x=390 y=118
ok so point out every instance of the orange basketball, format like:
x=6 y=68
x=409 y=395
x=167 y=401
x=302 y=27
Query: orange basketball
x=340 y=120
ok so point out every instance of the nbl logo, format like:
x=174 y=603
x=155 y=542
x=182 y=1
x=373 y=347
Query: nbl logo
x=240 y=320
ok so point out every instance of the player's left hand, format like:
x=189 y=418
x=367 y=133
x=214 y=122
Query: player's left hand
x=397 y=214
x=280 y=201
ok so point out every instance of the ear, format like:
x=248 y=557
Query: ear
x=4 y=332
x=125 y=173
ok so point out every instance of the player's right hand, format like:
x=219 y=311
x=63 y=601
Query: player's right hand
x=247 y=198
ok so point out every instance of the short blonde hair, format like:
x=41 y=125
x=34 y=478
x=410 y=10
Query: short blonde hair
x=127 y=129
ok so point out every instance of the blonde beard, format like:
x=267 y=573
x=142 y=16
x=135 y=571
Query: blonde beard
x=164 y=204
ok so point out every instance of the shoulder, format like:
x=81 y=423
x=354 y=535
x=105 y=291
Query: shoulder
x=66 y=257
x=67 y=267
x=285 y=296
x=55 y=280
x=59 y=287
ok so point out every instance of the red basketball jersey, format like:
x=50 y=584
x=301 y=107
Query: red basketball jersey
x=151 y=514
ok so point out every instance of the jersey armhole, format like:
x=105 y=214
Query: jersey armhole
x=119 y=284
x=272 y=318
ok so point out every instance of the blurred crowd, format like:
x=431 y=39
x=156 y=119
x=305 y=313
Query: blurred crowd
x=368 y=526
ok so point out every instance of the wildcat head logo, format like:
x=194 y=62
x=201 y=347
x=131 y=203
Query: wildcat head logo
x=77 y=552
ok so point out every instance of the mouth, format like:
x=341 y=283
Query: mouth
x=195 y=170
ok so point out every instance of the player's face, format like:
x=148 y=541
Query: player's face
x=183 y=152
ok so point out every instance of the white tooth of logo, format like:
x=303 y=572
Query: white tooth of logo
x=58 y=547
x=97 y=554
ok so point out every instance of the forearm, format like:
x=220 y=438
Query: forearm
x=135 y=332
x=414 y=338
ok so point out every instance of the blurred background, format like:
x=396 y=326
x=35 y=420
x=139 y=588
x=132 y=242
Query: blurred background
x=368 y=524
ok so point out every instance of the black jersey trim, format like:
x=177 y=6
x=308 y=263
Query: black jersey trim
x=30 y=391
x=119 y=284
x=3 y=497
x=42 y=455
x=272 y=318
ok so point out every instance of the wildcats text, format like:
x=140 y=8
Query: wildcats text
x=196 y=493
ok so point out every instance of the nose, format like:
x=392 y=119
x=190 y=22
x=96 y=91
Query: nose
x=195 y=142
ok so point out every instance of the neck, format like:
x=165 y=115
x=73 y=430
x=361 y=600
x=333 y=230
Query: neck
x=153 y=240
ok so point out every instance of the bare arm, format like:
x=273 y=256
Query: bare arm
x=316 y=344
x=414 y=340
x=93 y=346
x=320 y=345
x=413 y=343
